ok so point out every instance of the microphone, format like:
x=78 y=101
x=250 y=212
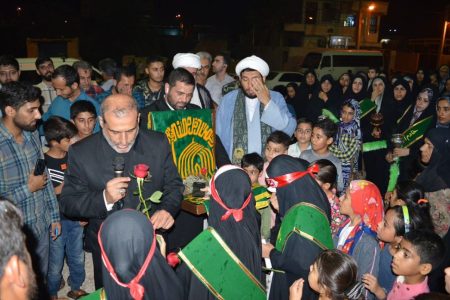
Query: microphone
x=118 y=166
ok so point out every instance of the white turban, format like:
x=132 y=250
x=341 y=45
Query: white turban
x=186 y=60
x=255 y=63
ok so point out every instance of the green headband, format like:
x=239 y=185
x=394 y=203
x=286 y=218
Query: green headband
x=406 y=218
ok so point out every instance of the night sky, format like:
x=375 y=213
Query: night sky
x=127 y=22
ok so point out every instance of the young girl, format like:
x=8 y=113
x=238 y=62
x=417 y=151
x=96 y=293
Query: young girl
x=348 y=139
x=333 y=276
x=363 y=205
x=397 y=221
x=409 y=193
x=326 y=178
x=303 y=135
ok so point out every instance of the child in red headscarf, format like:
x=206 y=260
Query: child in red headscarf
x=363 y=205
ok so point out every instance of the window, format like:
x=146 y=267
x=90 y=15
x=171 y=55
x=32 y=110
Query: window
x=326 y=62
x=373 y=24
x=350 y=21
x=291 y=77
x=271 y=75
x=311 y=12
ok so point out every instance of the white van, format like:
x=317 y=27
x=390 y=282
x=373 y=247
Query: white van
x=28 y=68
x=336 y=62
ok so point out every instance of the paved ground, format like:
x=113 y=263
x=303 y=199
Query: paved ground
x=88 y=285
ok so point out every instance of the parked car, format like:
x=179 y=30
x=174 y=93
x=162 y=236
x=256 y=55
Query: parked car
x=337 y=62
x=28 y=68
x=282 y=78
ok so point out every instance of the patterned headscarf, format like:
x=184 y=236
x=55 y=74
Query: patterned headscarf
x=368 y=204
x=352 y=128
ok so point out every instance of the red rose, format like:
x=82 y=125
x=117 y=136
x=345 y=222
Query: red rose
x=203 y=171
x=141 y=170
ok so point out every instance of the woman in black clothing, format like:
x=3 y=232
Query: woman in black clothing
x=327 y=97
x=305 y=92
x=414 y=113
x=358 y=89
x=377 y=168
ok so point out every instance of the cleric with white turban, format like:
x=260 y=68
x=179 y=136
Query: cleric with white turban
x=186 y=60
x=255 y=63
x=247 y=116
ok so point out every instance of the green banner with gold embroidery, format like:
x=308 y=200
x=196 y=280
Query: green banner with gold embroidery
x=308 y=221
x=219 y=269
x=366 y=105
x=192 y=137
x=416 y=132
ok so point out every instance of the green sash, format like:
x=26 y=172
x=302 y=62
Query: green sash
x=330 y=115
x=218 y=268
x=308 y=221
x=366 y=105
x=416 y=132
x=97 y=295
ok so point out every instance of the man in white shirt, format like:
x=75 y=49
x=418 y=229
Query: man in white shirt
x=45 y=69
x=215 y=83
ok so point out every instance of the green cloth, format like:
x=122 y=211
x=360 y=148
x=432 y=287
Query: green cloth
x=308 y=221
x=366 y=105
x=219 y=269
x=240 y=129
x=191 y=136
x=330 y=115
x=394 y=172
x=97 y=295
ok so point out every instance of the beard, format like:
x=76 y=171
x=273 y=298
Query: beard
x=248 y=95
x=25 y=127
x=47 y=76
x=114 y=146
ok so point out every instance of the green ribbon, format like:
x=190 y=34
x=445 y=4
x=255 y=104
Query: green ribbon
x=372 y=146
x=329 y=115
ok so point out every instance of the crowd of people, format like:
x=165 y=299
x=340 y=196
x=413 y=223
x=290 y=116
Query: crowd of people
x=334 y=189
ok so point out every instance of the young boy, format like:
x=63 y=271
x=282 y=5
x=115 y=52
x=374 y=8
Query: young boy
x=277 y=143
x=59 y=134
x=253 y=163
x=84 y=116
x=418 y=253
x=303 y=135
x=322 y=137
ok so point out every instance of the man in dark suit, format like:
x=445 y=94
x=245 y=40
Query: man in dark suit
x=90 y=189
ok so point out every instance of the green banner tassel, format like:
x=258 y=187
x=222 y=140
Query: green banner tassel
x=394 y=172
x=329 y=115
x=372 y=146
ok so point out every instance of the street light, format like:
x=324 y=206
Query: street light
x=441 y=48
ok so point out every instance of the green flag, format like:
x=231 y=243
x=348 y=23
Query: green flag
x=192 y=137
x=219 y=269
x=366 y=105
x=416 y=132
